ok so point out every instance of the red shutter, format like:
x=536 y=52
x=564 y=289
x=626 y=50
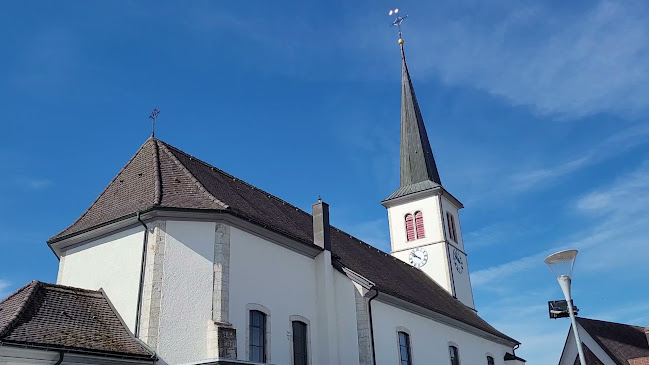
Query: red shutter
x=419 y=224
x=410 y=228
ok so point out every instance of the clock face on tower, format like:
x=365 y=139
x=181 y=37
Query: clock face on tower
x=418 y=257
x=458 y=261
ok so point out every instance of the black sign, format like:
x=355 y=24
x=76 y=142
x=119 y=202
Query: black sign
x=559 y=309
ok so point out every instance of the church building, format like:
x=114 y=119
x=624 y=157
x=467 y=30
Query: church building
x=179 y=262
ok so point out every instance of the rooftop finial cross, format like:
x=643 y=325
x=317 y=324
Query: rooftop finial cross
x=153 y=117
x=397 y=22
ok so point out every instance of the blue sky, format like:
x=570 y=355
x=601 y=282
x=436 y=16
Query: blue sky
x=536 y=111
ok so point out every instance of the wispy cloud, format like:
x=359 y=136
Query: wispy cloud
x=569 y=63
x=622 y=212
x=612 y=146
x=31 y=183
x=4 y=288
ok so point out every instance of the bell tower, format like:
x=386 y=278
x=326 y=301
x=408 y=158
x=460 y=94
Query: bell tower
x=424 y=217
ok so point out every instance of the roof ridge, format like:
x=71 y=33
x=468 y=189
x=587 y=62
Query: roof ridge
x=192 y=177
x=106 y=188
x=216 y=169
x=158 y=174
x=71 y=289
x=32 y=287
x=603 y=321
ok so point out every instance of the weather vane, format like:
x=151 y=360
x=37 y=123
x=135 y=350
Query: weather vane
x=153 y=117
x=397 y=22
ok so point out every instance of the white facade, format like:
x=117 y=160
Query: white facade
x=208 y=278
x=113 y=263
x=445 y=259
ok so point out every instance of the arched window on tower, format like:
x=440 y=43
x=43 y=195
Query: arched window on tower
x=419 y=225
x=410 y=228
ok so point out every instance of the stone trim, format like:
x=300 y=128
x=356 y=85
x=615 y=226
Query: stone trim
x=152 y=288
x=363 y=328
x=221 y=283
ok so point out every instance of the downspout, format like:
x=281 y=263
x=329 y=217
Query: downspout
x=369 y=309
x=140 y=288
x=60 y=360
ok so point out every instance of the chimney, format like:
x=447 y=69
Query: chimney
x=646 y=333
x=321 y=236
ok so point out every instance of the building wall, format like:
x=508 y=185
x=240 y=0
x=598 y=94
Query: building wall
x=113 y=263
x=186 y=301
x=429 y=339
x=265 y=274
x=461 y=280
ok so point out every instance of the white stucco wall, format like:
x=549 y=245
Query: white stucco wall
x=281 y=280
x=429 y=339
x=112 y=263
x=186 y=304
x=346 y=319
x=432 y=225
x=437 y=265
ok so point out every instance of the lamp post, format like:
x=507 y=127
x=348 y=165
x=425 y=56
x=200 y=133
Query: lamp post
x=561 y=264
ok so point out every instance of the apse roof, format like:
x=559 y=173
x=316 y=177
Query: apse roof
x=161 y=176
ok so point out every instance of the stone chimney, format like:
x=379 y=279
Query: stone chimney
x=321 y=229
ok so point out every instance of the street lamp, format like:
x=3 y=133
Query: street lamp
x=561 y=264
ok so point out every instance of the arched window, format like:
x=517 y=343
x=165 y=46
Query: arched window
x=455 y=355
x=450 y=220
x=410 y=228
x=490 y=360
x=404 y=349
x=300 y=355
x=257 y=339
x=419 y=225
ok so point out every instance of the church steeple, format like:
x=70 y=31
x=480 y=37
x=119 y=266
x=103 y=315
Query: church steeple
x=417 y=161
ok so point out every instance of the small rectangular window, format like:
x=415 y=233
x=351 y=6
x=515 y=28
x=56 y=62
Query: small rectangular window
x=257 y=336
x=404 y=349
x=455 y=356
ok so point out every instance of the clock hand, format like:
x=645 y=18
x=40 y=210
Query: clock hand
x=415 y=255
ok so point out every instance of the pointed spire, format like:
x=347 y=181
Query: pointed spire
x=417 y=161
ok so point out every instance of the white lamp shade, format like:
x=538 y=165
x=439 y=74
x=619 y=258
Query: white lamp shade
x=562 y=262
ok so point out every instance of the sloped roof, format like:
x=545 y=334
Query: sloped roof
x=63 y=317
x=621 y=342
x=186 y=182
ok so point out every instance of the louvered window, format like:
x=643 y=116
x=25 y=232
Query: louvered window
x=419 y=225
x=450 y=221
x=404 y=349
x=410 y=228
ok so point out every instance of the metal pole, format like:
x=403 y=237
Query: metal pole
x=564 y=282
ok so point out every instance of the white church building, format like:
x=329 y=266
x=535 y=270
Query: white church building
x=178 y=262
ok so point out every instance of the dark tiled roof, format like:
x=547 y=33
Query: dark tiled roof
x=189 y=183
x=414 y=188
x=621 y=342
x=62 y=317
